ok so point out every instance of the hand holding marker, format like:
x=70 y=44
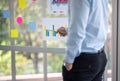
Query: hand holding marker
x=62 y=31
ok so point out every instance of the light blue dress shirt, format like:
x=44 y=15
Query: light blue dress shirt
x=87 y=29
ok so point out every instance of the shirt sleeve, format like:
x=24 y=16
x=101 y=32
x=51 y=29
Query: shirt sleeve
x=78 y=18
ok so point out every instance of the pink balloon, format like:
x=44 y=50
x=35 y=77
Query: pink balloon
x=19 y=20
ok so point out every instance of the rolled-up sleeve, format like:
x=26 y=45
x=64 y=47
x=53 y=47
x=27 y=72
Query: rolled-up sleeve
x=78 y=18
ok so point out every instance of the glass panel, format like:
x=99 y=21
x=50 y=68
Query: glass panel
x=4 y=22
x=56 y=44
x=109 y=43
x=55 y=66
x=5 y=65
x=29 y=64
x=28 y=22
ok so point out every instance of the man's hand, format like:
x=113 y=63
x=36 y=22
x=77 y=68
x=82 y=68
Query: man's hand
x=62 y=31
x=69 y=67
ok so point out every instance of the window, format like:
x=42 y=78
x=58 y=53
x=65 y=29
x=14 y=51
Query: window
x=33 y=55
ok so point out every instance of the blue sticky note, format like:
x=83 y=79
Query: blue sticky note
x=32 y=26
x=6 y=14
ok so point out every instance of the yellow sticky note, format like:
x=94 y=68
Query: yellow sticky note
x=14 y=33
x=22 y=3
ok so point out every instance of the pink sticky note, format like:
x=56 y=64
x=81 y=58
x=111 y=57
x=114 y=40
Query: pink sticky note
x=19 y=20
x=33 y=0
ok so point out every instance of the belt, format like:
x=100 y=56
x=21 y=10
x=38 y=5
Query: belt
x=99 y=51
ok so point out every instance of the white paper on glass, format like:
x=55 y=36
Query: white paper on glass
x=50 y=26
x=58 y=6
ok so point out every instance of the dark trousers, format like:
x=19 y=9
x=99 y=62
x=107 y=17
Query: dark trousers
x=86 y=67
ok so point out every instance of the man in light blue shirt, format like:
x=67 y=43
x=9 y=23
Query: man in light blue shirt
x=85 y=59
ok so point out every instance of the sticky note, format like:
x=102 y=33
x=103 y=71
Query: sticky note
x=22 y=4
x=6 y=14
x=32 y=26
x=33 y=0
x=14 y=33
x=19 y=20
